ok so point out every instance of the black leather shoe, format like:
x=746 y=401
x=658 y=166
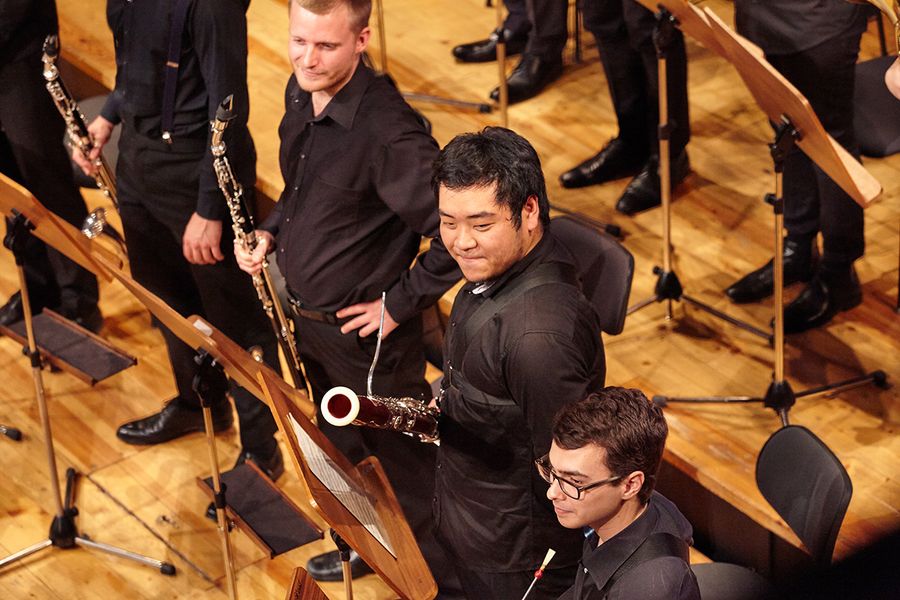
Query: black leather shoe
x=530 y=76
x=486 y=50
x=171 y=422
x=272 y=466
x=91 y=319
x=825 y=296
x=614 y=161
x=12 y=311
x=327 y=567
x=643 y=191
x=799 y=262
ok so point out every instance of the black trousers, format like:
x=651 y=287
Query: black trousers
x=157 y=186
x=825 y=74
x=32 y=153
x=516 y=16
x=331 y=359
x=549 y=29
x=624 y=33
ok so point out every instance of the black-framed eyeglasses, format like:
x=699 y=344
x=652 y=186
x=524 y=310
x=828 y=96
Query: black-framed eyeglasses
x=568 y=488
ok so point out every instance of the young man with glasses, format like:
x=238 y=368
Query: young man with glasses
x=602 y=468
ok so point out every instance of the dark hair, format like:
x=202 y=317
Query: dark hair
x=494 y=156
x=623 y=422
x=360 y=10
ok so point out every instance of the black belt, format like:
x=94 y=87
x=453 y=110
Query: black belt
x=313 y=315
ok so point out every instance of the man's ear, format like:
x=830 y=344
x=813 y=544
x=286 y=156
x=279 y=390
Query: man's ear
x=362 y=40
x=632 y=484
x=531 y=213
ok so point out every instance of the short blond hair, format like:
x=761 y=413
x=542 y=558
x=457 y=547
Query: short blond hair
x=360 y=10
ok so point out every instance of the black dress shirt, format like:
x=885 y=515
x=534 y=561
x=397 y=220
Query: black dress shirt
x=213 y=64
x=789 y=26
x=660 y=578
x=24 y=24
x=541 y=351
x=357 y=201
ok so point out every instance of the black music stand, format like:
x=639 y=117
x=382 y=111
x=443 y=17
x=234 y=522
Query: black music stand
x=668 y=286
x=63 y=530
x=795 y=123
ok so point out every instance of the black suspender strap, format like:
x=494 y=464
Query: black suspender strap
x=179 y=17
x=544 y=274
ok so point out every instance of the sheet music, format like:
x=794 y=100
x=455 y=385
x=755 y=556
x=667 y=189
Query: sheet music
x=344 y=489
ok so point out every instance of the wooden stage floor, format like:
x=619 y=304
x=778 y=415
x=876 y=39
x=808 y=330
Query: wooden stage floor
x=145 y=499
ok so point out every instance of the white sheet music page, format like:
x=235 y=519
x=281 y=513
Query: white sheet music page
x=345 y=490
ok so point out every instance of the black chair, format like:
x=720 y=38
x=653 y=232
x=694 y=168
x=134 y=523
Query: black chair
x=809 y=488
x=605 y=267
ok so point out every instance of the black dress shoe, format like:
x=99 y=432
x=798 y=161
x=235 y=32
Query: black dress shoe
x=826 y=295
x=530 y=76
x=643 y=191
x=799 y=262
x=486 y=50
x=173 y=421
x=12 y=311
x=327 y=567
x=272 y=466
x=616 y=160
x=91 y=319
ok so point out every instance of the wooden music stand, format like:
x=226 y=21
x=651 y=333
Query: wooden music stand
x=357 y=502
x=27 y=216
x=238 y=364
x=55 y=231
x=795 y=123
x=304 y=587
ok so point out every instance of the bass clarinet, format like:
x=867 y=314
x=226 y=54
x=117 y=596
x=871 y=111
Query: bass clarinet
x=245 y=235
x=77 y=133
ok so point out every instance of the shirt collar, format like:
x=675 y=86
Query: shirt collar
x=603 y=560
x=343 y=107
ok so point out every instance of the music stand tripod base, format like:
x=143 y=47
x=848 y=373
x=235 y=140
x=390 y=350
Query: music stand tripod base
x=668 y=287
x=779 y=396
x=63 y=531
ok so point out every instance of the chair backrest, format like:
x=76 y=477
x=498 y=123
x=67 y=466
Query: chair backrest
x=604 y=266
x=807 y=485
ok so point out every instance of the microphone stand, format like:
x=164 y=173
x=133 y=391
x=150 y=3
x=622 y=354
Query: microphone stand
x=668 y=287
x=63 y=530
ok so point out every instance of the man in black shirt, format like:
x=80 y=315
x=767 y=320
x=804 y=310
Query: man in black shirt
x=814 y=44
x=172 y=210
x=624 y=31
x=602 y=469
x=356 y=162
x=522 y=342
x=32 y=153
